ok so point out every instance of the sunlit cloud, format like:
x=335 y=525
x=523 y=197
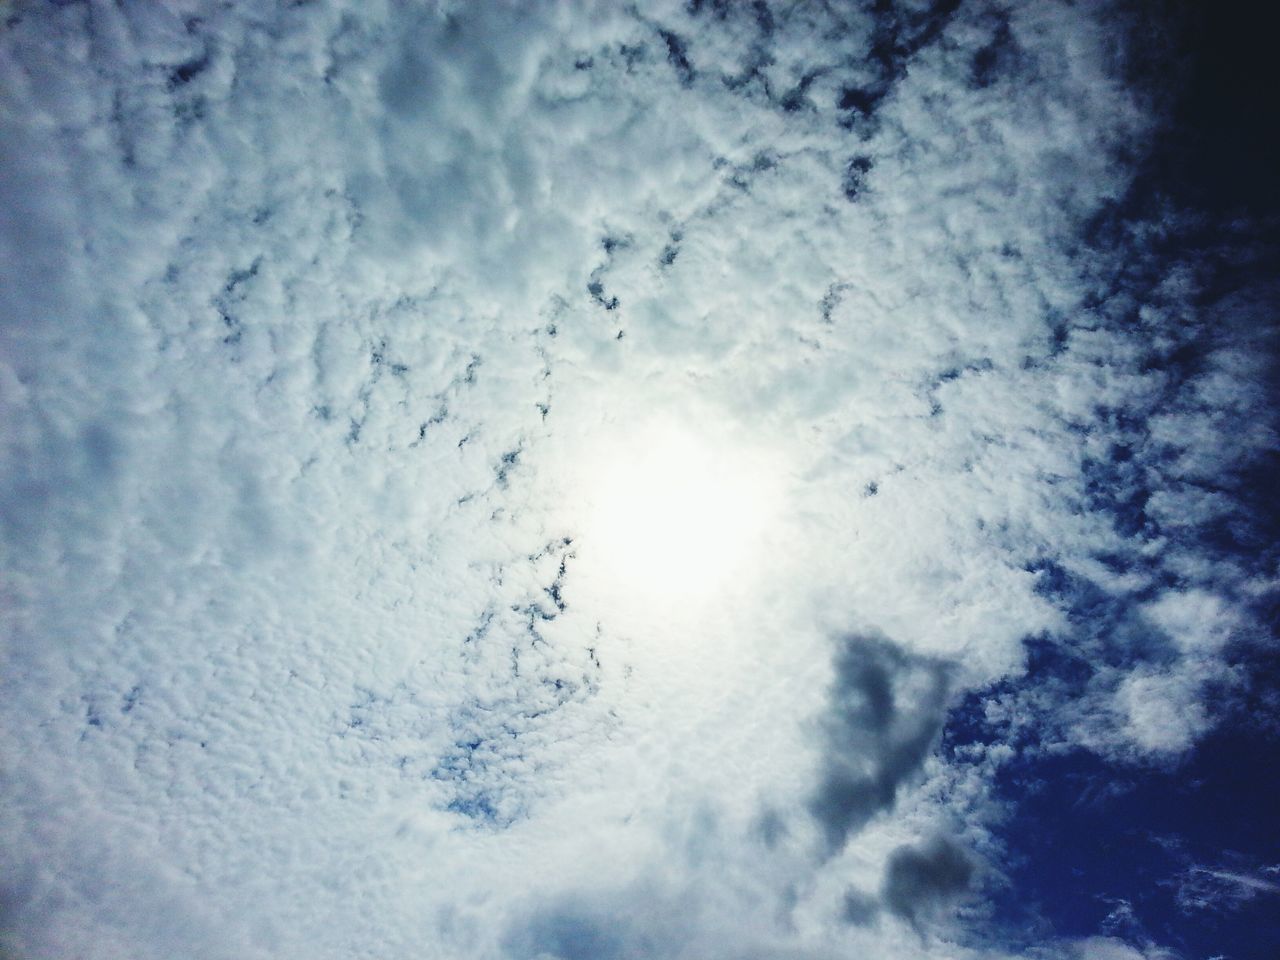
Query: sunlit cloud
x=692 y=480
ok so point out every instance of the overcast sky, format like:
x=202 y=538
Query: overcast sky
x=589 y=481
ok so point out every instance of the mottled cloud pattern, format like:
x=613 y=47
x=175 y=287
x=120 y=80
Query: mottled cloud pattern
x=319 y=324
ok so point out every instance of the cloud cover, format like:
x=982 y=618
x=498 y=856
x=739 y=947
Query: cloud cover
x=316 y=320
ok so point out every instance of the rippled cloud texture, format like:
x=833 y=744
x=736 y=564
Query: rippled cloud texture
x=326 y=323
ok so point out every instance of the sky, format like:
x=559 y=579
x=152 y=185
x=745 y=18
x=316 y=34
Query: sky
x=596 y=481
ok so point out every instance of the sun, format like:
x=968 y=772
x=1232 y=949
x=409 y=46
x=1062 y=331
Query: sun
x=672 y=512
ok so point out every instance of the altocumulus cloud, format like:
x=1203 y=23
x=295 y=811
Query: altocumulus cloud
x=320 y=325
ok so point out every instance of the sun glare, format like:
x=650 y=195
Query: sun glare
x=673 y=514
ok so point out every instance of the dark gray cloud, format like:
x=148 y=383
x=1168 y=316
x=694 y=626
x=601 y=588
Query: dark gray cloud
x=574 y=933
x=886 y=710
x=642 y=919
x=922 y=880
x=859 y=908
x=646 y=922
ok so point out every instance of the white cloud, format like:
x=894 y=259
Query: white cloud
x=312 y=324
x=1163 y=712
x=1197 y=621
x=1209 y=888
x=1112 y=948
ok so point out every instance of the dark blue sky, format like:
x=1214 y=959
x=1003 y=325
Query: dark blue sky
x=1109 y=846
x=1087 y=834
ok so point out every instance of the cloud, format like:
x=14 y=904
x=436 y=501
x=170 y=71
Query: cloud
x=316 y=323
x=1163 y=712
x=1224 y=889
x=921 y=880
x=1112 y=948
x=886 y=711
x=580 y=931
